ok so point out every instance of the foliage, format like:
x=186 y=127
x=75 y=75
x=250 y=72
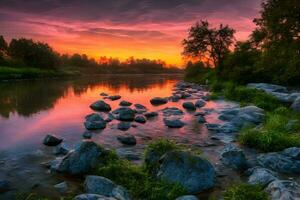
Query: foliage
x=3 y=44
x=245 y=192
x=208 y=43
x=276 y=134
x=197 y=72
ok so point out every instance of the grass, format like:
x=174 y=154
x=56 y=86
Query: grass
x=33 y=196
x=137 y=179
x=276 y=134
x=245 y=192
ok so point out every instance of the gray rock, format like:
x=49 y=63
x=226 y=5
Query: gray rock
x=173 y=123
x=189 y=106
x=100 y=106
x=114 y=97
x=125 y=103
x=228 y=128
x=175 y=98
x=84 y=158
x=233 y=157
x=95 y=125
x=252 y=114
x=140 y=106
x=261 y=176
x=93 y=117
x=267 y=87
x=124 y=126
x=279 y=162
x=125 y=114
x=93 y=197
x=61 y=187
x=151 y=114
x=61 y=149
x=87 y=135
x=200 y=103
x=201 y=119
x=127 y=139
x=296 y=105
x=4 y=186
x=192 y=172
x=293 y=152
x=99 y=185
x=140 y=119
x=120 y=193
x=169 y=111
x=103 y=94
x=158 y=101
x=212 y=127
x=51 y=140
x=283 y=190
x=187 y=197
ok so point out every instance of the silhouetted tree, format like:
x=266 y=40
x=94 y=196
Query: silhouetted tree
x=3 y=44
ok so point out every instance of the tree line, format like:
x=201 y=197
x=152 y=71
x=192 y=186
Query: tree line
x=271 y=54
x=28 y=53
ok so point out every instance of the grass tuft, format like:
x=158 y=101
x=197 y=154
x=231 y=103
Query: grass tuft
x=245 y=192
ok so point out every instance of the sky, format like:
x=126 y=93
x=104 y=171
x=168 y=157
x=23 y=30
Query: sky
x=152 y=29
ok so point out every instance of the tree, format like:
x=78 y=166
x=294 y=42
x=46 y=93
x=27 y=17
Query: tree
x=208 y=43
x=3 y=44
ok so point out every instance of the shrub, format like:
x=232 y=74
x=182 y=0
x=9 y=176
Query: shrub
x=245 y=192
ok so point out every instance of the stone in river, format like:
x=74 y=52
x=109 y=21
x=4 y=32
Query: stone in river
x=151 y=114
x=158 y=101
x=87 y=135
x=200 y=103
x=100 y=106
x=124 y=114
x=124 y=126
x=61 y=187
x=140 y=106
x=95 y=125
x=201 y=119
x=61 y=149
x=125 y=103
x=189 y=105
x=169 y=111
x=173 y=123
x=234 y=157
x=127 y=139
x=114 y=97
x=51 y=140
x=140 y=119
x=103 y=94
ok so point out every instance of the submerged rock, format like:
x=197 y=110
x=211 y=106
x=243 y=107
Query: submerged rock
x=140 y=119
x=127 y=139
x=84 y=158
x=103 y=94
x=192 y=172
x=201 y=119
x=124 y=126
x=158 y=101
x=233 y=157
x=51 y=140
x=95 y=125
x=189 y=105
x=124 y=114
x=151 y=114
x=100 y=106
x=140 y=106
x=125 y=103
x=169 y=111
x=87 y=135
x=200 y=103
x=173 y=123
x=114 y=97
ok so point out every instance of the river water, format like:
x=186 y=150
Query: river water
x=31 y=109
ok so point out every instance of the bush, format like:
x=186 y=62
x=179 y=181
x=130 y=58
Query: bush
x=245 y=192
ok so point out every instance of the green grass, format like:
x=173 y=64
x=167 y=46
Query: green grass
x=33 y=196
x=245 y=192
x=276 y=134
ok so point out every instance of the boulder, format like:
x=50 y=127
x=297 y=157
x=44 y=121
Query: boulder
x=127 y=139
x=200 y=103
x=125 y=103
x=173 y=123
x=124 y=126
x=268 y=87
x=191 y=171
x=93 y=197
x=189 y=105
x=187 y=197
x=140 y=119
x=252 y=114
x=124 y=114
x=61 y=149
x=114 y=97
x=261 y=176
x=100 y=106
x=82 y=159
x=93 y=117
x=169 y=111
x=296 y=105
x=151 y=114
x=201 y=119
x=234 y=157
x=293 y=152
x=158 y=101
x=61 y=187
x=51 y=140
x=283 y=190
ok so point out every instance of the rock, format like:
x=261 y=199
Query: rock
x=169 y=111
x=103 y=186
x=187 y=197
x=293 y=152
x=51 y=140
x=95 y=125
x=199 y=114
x=173 y=123
x=140 y=119
x=84 y=158
x=175 y=98
x=296 y=105
x=226 y=117
x=252 y=114
x=128 y=153
x=127 y=139
x=201 y=119
x=93 y=197
x=212 y=127
x=189 y=105
x=268 y=87
x=279 y=162
x=103 y=94
x=158 y=101
x=261 y=176
x=125 y=103
x=62 y=187
x=228 y=128
x=125 y=114
x=151 y=114
x=124 y=126
x=114 y=97
x=200 y=103
x=93 y=117
x=87 y=135
x=140 y=106
x=233 y=157
x=4 y=186
x=100 y=106
x=61 y=149
x=192 y=172
x=283 y=190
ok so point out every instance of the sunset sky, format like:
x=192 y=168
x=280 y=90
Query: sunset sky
x=121 y=28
